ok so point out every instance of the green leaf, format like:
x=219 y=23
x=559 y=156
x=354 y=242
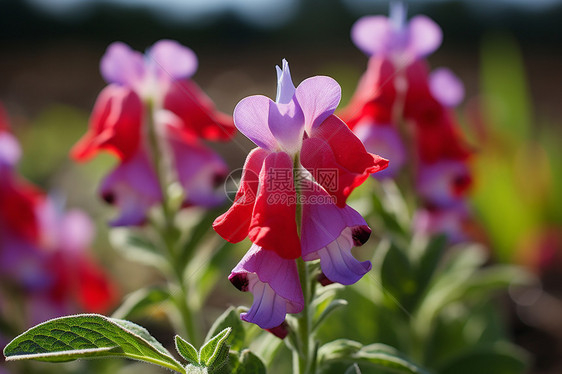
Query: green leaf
x=390 y=362
x=339 y=349
x=353 y=369
x=136 y=302
x=215 y=352
x=136 y=248
x=249 y=363
x=397 y=278
x=88 y=336
x=230 y=318
x=187 y=351
x=500 y=358
x=378 y=355
x=325 y=312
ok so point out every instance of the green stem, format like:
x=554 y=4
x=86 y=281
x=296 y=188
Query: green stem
x=303 y=359
x=170 y=237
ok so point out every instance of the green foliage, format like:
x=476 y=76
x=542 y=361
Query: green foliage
x=378 y=355
x=137 y=302
x=230 y=318
x=89 y=336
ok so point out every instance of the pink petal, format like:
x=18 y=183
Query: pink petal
x=171 y=60
x=251 y=117
x=133 y=187
x=424 y=35
x=122 y=65
x=76 y=231
x=318 y=97
x=372 y=34
x=446 y=87
x=274 y=281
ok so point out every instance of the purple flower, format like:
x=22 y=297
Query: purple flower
x=393 y=38
x=298 y=126
x=154 y=89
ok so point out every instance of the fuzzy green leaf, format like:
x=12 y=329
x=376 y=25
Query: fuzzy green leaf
x=88 y=336
x=230 y=318
x=215 y=352
x=187 y=351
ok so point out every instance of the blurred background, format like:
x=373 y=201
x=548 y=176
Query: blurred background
x=508 y=53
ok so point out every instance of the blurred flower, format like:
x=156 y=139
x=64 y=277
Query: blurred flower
x=306 y=157
x=397 y=89
x=154 y=89
x=43 y=251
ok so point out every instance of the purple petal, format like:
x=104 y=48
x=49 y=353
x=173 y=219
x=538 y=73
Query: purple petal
x=318 y=98
x=171 y=60
x=121 y=65
x=329 y=233
x=424 y=35
x=133 y=187
x=337 y=262
x=76 y=231
x=372 y=34
x=200 y=171
x=385 y=141
x=446 y=221
x=10 y=150
x=251 y=117
x=446 y=87
x=285 y=86
x=273 y=281
x=286 y=122
x=442 y=183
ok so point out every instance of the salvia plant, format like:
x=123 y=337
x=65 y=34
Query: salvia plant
x=422 y=305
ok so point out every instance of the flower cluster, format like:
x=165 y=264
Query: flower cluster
x=43 y=251
x=154 y=88
x=284 y=204
x=398 y=87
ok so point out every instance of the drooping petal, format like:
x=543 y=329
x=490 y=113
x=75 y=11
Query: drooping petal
x=115 y=125
x=446 y=87
x=329 y=233
x=122 y=65
x=198 y=113
x=372 y=34
x=273 y=224
x=285 y=86
x=133 y=187
x=424 y=35
x=333 y=146
x=234 y=224
x=199 y=169
x=318 y=97
x=170 y=60
x=251 y=117
x=273 y=281
x=385 y=141
x=337 y=262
